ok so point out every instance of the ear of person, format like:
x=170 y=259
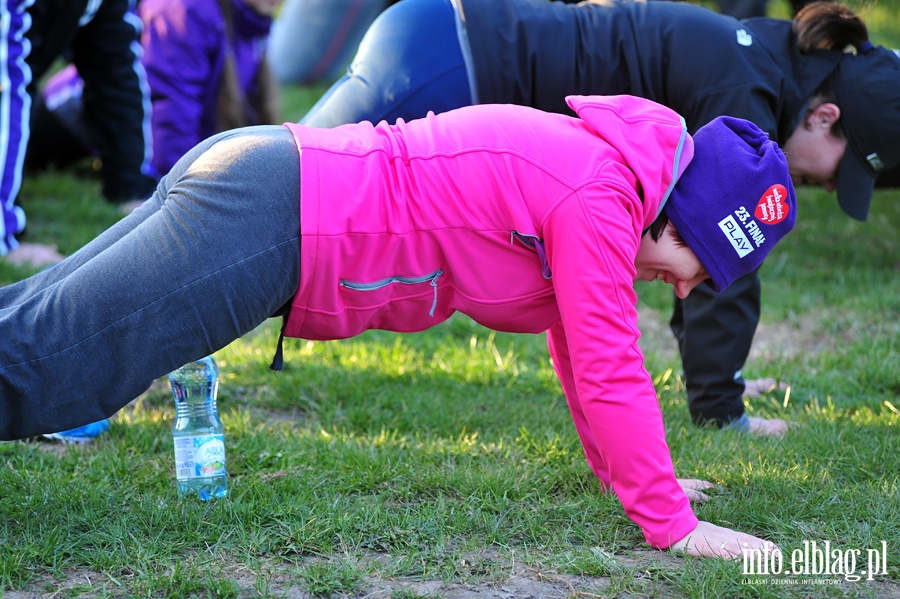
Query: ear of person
x=825 y=116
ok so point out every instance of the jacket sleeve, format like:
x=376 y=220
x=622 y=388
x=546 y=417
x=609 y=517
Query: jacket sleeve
x=184 y=55
x=562 y=364
x=106 y=52
x=591 y=242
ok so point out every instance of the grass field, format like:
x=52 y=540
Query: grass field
x=445 y=464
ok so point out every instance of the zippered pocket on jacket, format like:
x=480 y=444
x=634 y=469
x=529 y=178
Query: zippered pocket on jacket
x=430 y=278
x=536 y=244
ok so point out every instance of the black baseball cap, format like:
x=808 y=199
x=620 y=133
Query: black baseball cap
x=867 y=88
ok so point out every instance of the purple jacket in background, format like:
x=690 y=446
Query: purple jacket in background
x=185 y=44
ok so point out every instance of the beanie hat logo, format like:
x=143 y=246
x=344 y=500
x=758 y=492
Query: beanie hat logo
x=772 y=207
x=735 y=234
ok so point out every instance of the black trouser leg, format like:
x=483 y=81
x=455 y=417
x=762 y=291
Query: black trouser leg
x=51 y=143
x=714 y=333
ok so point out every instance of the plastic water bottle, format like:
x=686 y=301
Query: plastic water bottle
x=198 y=433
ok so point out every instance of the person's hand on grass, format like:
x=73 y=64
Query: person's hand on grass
x=694 y=487
x=709 y=540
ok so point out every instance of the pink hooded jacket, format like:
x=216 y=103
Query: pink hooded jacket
x=526 y=222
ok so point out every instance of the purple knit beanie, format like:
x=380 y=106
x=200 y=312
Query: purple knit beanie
x=734 y=201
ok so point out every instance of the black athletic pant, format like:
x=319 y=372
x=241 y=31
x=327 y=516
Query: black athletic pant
x=714 y=333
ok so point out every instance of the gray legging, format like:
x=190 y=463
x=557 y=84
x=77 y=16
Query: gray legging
x=213 y=253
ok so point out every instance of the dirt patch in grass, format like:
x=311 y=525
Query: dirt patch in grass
x=638 y=577
x=801 y=336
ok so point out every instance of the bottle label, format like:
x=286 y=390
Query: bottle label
x=197 y=457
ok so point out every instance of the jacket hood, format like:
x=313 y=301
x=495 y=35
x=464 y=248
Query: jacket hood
x=652 y=138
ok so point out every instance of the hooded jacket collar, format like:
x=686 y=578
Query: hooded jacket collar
x=641 y=125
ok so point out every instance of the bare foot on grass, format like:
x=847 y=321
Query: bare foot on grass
x=127 y=208
x=35 y=255
x=760 y=387
x=770 y=427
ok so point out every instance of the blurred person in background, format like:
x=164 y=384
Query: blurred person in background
x=101 y=38
x=207 y=72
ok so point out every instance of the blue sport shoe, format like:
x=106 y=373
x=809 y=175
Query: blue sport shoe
x=82 y=434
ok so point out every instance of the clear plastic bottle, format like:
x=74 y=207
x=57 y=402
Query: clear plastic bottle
x=198 y=432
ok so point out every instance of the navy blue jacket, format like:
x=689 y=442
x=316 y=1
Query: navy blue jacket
x=700 y=63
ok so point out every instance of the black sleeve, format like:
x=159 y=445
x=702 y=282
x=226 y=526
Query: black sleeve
x=116 y=99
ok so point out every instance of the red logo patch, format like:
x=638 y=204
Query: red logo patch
x=773 y=207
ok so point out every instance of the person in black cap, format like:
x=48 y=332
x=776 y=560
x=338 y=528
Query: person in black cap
x=865 y=89
x=814 y=84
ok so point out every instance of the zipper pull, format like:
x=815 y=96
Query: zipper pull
x=433 y=284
